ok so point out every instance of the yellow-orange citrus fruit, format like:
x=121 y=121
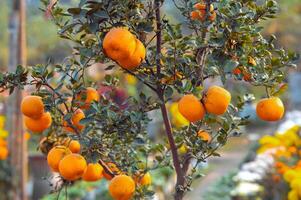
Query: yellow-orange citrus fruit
x=74 y=146
x=72 y=167
x=75 y=120
x=119 y=43
x=3 y=153
x=87 y=97
x=93 y=172
x=270 y=109
x=122 y=187
x=216 y=100
x=135 y=59
x=198 y=15
x=205 y=136
x=191 y=108
x=114 y=169
x=40 y=124
x=145 y=179
x=3 y=143
x=212 y=16
x=202 y=6
x=55 y=155
x=252 y=61
x=32 y=106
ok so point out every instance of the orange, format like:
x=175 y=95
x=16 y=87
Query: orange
x=198 y=15
x=113 y=169
x=87 y=97
x=3 y=153
x=75 y=120
x=40 y=124
x=135 y=59
x=252 y=61
x=212 y=16
x=3 y=143
x=122 y=187
x=119 y=43
x=236 y=71
x=202 y=6
x=270 y=109
x=74 y=146
x=93 y=172
x=72 y=167
x=32 y=106
x=205 y=136
x=191 y=108
x=143 y=180
x=216 y=100
x=55 y=155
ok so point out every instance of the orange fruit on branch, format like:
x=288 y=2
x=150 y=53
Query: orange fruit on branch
x=205 y=136
x=122 y=187
x=191 y=108
x=216 y=100
x=203 y=6
x=74 y=146
x=135 y=59
x=40 y=124
x=143 y=179
x=114 y=169
x=86 y=97
x=55 y=155
x=72 y=167
x=3 y=153
x=270 y=109
x=75 y=121
x=93 y=172
x=32 y=107
x=119 y=43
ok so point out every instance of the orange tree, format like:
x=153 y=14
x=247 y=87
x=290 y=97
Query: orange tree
x=134 y=36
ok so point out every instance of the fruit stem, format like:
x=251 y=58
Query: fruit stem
x=106 y=168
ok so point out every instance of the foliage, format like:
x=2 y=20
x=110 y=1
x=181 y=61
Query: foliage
x=225 y=185
x=212 y=49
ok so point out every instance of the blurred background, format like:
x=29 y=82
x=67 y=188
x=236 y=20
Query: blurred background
x=219 y=182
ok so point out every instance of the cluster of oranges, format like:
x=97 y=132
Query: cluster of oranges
x=66 y=160
x=35 y=117
x=123 y=47
x=215 y=101
x=286 y=150
x=200 y=12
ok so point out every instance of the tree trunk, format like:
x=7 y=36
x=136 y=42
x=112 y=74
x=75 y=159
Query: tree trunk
x=18 y=146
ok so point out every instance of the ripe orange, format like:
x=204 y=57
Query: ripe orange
x=3 y=143
x=270 y=109
x=202 y=6
x=32 y=106
x=205 y=136
x=93 y=172
x=216 y=100
x=113 y=168
x=3 y=153
x=72 y=167
x=122 y=187
x=75 y=120
x=135 y=59
x=236 y=71
x=191 y=108
x=55 y=155
x=87 y=97
x=40 y=124
x=198 y=15
x=74 y=146
x=119 y=43
x=212 y=16
x=252 y=61
x=143 y=180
